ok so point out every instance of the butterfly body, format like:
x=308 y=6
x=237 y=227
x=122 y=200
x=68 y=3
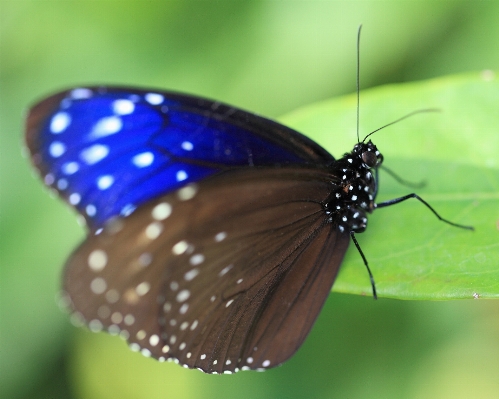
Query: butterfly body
x=215 y=235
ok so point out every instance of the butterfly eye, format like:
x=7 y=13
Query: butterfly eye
x=369 y=158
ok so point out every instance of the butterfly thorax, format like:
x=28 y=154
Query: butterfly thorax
x=353 y=197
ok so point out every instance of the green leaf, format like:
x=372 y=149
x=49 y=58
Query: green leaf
x=455 y=151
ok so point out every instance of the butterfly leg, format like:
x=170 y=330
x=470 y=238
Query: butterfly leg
x=373 y=285
x=413 y=195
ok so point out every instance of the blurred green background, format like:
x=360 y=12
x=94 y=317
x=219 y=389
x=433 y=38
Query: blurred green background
x=270 y=57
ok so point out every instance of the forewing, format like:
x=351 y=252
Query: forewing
x=225 y=275
x=107 y=150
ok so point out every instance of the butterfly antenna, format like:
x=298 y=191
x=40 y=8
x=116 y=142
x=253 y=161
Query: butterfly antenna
x=419 y=111
x=358 y=82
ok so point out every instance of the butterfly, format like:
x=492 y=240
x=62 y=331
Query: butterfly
x=214 y=235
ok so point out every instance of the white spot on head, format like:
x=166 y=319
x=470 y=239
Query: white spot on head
x=94 y=153
x=104 y=182
x=143 y=159
x=123 y=107
x=191 y=274
x=180 y=247
x=60 y=122
x=225 y=270
x=70 y=167
x=181 y=175
x=187 y=192
x=74 y=199
x=106 y=126
x=196 y=259
x=221 y=236
x=56 y=149
x=97 y=260
x=183 y=295
x=154 y=98
x=161 y=211
x=153 y=230
x=143 y=288
x=98 y=285
x=80 y=93
x=187 y=146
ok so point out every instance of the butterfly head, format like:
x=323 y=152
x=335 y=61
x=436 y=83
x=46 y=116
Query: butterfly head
x=368 y=155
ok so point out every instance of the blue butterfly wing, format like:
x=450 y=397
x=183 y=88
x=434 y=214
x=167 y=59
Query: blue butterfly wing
x=108 y=150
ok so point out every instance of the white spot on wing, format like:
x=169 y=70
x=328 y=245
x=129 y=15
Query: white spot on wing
x=81 y=93
x=161 y=211
x=181 y=175
x=94 y=153
x=70 y=167
x=97 y=260
x=60 y=122
x=106 y=126
x=56 y=149
x=187 y=146
x=123 y=107
x=154 y=98
x=104 y=182
x=143 y=159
